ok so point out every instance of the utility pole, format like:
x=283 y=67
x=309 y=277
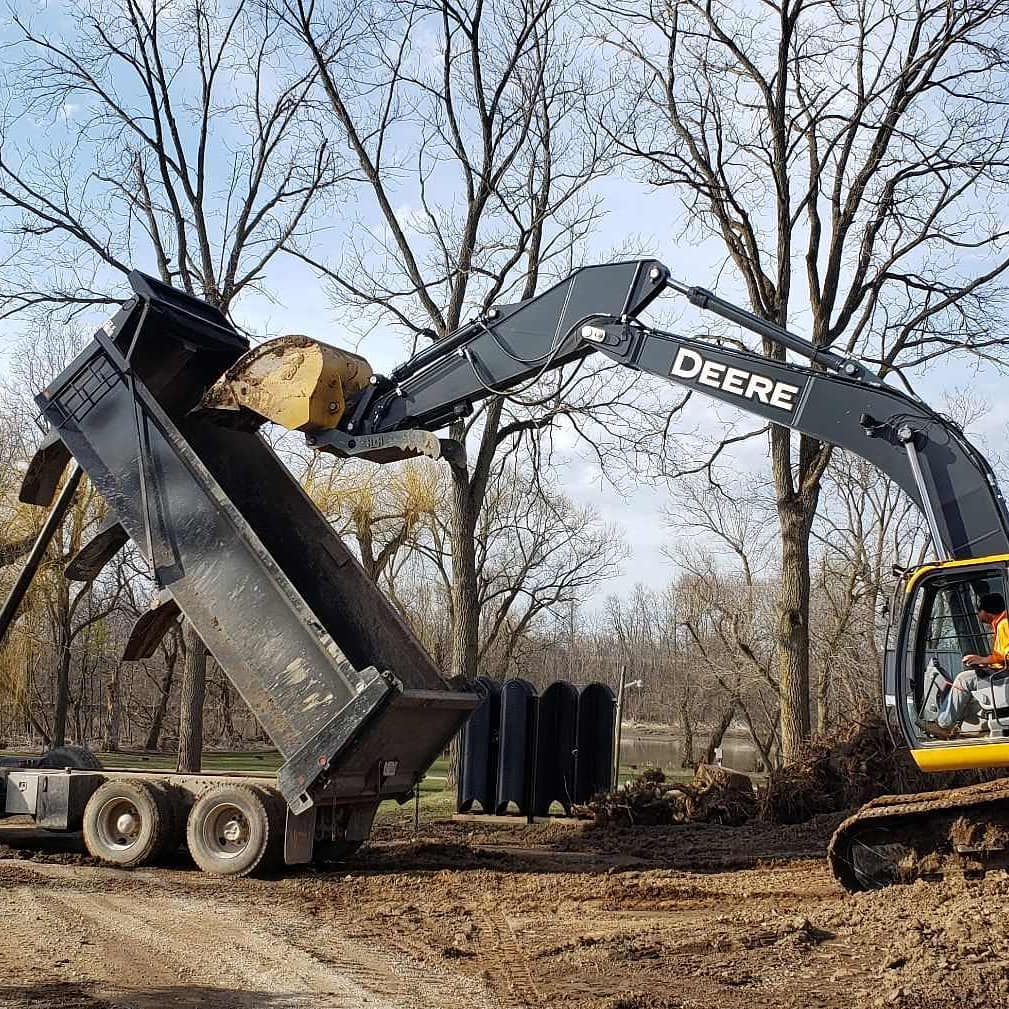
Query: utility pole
x=618 y=728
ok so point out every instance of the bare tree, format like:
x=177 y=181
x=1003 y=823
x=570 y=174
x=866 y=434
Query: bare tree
x=171 y=649
x=194 y=688
x=382 y=507
x=537 y=553
x=848 y=160
x=467 y=124
x=171 y=137
x=866 y=526
x=723 y=594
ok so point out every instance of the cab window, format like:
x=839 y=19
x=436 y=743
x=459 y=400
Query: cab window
x=942 y=625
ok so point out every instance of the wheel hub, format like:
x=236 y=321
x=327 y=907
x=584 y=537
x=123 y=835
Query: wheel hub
x=119 y=823
x=232 y=831
x=226 y=830
x=127 y=824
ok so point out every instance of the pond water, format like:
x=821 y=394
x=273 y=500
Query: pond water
x=738 y=751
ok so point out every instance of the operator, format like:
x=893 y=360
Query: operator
x=991 y=610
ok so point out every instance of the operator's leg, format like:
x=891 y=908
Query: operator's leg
x=959 y=697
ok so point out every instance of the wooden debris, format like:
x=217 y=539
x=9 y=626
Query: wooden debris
x=716 y=795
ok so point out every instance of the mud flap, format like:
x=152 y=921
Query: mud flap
x=299 y=836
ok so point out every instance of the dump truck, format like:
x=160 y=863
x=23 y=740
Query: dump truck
x=342 y=687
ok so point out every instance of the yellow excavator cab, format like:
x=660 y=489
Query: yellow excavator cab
x=294 y=381
x=937 y=624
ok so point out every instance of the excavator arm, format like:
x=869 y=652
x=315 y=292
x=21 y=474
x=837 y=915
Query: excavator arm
x=596 y=310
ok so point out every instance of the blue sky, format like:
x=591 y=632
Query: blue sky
x=632 y=210
x=635 y=214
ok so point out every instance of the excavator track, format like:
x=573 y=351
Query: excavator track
x=928 y=835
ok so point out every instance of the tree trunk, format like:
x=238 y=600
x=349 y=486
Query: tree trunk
x=687 y=727
x=194 y=688
x=465 y=595
x=465 y=598
x=454 y=755
x=793 y=626
x=227 y=710
x=62 y=700
x=823 y=685
x=715 y=739
x=158 y=718
x=113 y=711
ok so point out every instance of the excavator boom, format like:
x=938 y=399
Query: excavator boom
x=596 y=310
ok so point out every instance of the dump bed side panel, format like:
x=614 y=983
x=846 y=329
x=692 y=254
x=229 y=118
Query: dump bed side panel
x=351 y=607
x=284 y=664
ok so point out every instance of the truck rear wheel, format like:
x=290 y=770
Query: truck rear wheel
x=126 y=822
x=230 y=831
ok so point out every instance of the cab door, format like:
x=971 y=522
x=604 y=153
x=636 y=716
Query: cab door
x=939 y=624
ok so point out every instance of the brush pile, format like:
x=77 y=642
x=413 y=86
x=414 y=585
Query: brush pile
x=716 y=795
x=845 y=770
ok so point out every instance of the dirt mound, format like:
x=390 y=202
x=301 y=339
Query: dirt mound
x=716 y=795
x=846 y=769
x=940 y=945
x=44 y=855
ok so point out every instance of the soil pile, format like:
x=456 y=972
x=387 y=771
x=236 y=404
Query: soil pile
x=844 y=770
x=716 y=795
x=941 y=945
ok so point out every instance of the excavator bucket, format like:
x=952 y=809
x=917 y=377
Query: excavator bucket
x=305 y=385
x=293 y=381
x=325 y=662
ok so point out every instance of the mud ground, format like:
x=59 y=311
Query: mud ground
x=657 y=918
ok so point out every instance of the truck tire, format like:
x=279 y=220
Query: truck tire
x=126 y=822
x=175 y=820
x=231 y=832
x=78 y=757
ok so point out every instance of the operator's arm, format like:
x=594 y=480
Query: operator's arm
x=1000 y=649
x=995 y=659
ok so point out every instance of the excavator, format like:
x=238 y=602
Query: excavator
x=342 y=407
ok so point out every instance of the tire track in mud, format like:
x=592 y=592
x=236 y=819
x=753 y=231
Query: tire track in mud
x=125 y=944
x=509 y=966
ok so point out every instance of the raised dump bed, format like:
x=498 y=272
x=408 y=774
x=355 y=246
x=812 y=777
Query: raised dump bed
x=344 y=690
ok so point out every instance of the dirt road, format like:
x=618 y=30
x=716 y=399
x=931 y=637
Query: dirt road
x=661 y=918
